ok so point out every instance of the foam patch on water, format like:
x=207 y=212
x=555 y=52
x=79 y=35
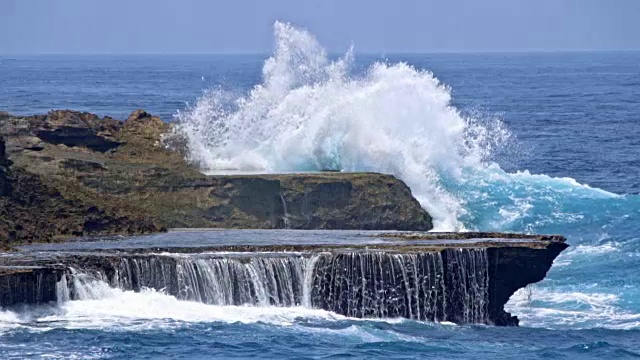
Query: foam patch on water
x=9 y=320
x=117 y=306
x=570 y=309
x=363 y=333
x=105 y=307
x=585 y=252
x=594 y=249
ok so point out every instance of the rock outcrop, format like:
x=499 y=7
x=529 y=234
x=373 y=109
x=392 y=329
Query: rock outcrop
x=33 y=208
x=74 y=173
x=442 y=277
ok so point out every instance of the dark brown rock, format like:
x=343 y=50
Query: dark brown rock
x=77 y=137
x=28 y=285
x=35 y=210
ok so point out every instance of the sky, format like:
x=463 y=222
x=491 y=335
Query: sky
x=373 y=26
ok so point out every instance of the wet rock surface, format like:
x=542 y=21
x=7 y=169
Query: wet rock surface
x=28 y=285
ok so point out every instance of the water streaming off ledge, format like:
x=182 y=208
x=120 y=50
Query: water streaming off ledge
x=452 y=285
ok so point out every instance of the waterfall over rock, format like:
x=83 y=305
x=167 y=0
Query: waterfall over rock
x=462 y=278
x=451 y=285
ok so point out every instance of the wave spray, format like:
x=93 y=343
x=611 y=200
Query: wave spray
x=312 y=113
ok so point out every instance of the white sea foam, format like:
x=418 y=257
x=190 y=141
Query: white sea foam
x=310 y=114
x=584 y=252
x=363 y=333
x=104 y=307
x=593 y=249
x=113 y=309
x=549 y=308
x=9 y=320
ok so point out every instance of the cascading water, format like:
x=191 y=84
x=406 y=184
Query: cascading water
x=468 y=271
x=287 y=222
x=62 y=290
x=440 y=286
x=383 y=285
x=575 y=113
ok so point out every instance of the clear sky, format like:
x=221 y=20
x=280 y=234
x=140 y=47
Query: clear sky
x=375 y=26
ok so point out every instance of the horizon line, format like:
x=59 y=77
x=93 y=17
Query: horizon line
x=376 y=53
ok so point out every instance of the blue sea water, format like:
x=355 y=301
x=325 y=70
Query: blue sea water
x=570 y=164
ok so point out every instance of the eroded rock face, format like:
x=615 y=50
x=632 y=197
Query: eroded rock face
x=513 y=268
x=76 y=137
x=317 y=201
x=31 y=285
x=43 y=208
x=36 y=210
x=5 y=191
x=457 y=280
x=110 y=167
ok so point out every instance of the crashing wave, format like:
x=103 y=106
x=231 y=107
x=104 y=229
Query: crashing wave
x=312 y=113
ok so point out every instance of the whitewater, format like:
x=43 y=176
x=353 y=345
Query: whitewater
x=315 y=113
x=311 y=114
x=306 y=110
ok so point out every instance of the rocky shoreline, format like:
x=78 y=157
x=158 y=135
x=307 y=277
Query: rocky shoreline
x=68 y=174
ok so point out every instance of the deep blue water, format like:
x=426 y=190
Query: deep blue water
x=571 y=115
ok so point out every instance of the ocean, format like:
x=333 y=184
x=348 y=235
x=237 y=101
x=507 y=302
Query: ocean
x=524 y=142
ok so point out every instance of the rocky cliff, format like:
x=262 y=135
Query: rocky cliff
x=429 y=277
x=70 y=173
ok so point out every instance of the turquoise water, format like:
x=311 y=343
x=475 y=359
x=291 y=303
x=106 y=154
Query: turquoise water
x=536 y=128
